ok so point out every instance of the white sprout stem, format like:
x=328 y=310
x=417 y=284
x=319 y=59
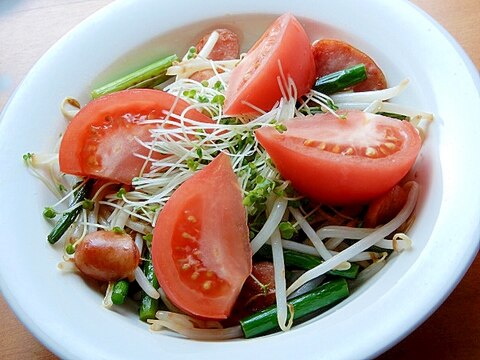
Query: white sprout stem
x=275 y=217
x=168 y=321
x=332 y=243
x=365 y=256
x=345 y=232
x=67 y=266
x=280 y=282
x=363 y=244
x=107 y=299
x=367 y=273
x=209 y=44
x=403 y=110
x=370 y=96
x=122 y=209
x=374 y=107
x=310 y=250
x=139 y=227
x=311 y=234
x=145 y=284
x=69 y=108
x=139 y=242
x=187 y=68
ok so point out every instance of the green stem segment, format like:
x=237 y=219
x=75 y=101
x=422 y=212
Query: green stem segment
x=340 y=80
x=68 y=218
x=298 y=260
x=146 y=77
x=120 y=291
x=149 y=305
x=313 y=301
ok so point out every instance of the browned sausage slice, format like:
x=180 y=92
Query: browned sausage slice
x=334 y=55
x=227 y=46
x=107 y=256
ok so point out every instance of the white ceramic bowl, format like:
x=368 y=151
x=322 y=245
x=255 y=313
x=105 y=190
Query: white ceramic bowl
x=67 y=316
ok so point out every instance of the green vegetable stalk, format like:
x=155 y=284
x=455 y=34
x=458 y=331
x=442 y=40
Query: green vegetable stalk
x=68 y=218
x=146 y=77
x=315 y=300
x=340 y=80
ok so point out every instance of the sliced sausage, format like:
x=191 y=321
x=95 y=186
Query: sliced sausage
x=386 y=207
x=334 y=55
x=227 y=46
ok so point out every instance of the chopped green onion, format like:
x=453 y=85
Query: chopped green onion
x=146 y=77
x=340 y=80
x=313 y=301
x=68 y=218
x=120 y=292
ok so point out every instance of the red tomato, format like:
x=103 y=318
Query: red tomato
x=254 y=80
x=100 y=141
x=335 y=55
x=107 y=256
x=201 y=250
x=342 y=161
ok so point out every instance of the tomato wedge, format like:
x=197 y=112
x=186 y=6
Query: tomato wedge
x=201 y=250
x=343 y=160
x=334 y=55
x=254 y=80
x=100 y=141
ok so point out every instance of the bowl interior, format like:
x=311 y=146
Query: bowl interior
x=68 y=316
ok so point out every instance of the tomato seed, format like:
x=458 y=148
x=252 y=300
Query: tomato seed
x=186 y=235
x=370 y=152
x=207 y=285
x=336 y=149
x=309 y=142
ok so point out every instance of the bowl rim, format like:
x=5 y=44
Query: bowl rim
x=393 y=334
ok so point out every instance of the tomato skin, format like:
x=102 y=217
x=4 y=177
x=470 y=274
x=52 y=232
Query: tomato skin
x=334 y=55
x=201 y=251
x=107 y=256
x=100 y=140
x=254 y=80
x=307 y=154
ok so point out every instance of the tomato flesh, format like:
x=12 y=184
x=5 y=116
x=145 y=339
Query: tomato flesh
x=342 y=160
x=254 y=80
x=201 y=250
x=101 y=140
